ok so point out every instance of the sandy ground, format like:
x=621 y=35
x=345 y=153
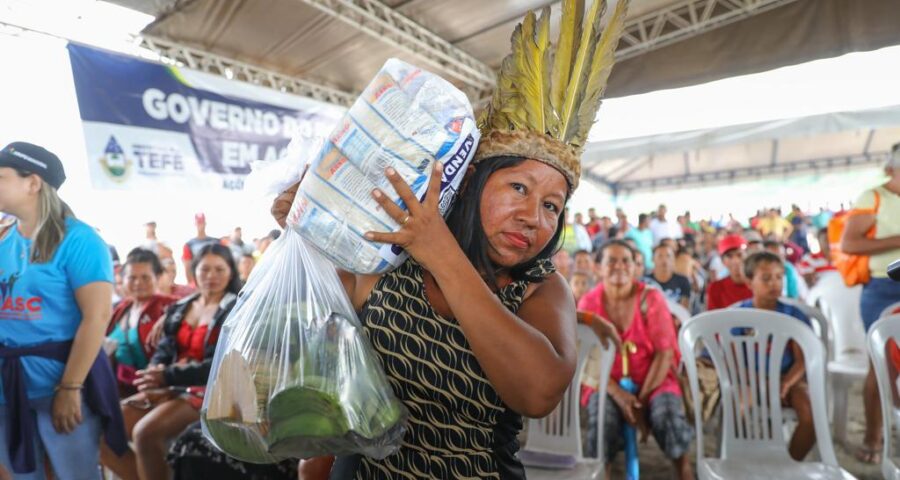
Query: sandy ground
x=654 y=466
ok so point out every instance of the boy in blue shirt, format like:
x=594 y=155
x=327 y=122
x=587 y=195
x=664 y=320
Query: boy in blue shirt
x=765 y=272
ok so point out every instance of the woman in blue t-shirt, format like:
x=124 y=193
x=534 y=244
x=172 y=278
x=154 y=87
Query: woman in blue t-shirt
x=58 y=392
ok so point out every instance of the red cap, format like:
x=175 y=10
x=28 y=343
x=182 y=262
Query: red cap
x=200 y=218
x=731 y=242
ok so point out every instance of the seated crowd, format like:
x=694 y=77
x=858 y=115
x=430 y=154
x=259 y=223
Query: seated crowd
x=162 y=335
x=630 y=276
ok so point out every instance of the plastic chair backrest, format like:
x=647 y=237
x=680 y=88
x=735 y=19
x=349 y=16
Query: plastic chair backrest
x=740 y=342
x=840 y=305
x=890 y=310
x=678 y=311
x=886 y=328
x=819 y=322
x=560 y=431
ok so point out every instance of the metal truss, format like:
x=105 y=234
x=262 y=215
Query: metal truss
x=730 y=175
x=686 y=19
x=389 y=26
x=244 y=72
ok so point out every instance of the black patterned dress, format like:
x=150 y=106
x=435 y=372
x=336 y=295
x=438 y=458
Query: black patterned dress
x=459 y=428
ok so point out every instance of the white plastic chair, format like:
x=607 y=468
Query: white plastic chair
x=886 y=328
x=559 y=434
x=820 y=324
x=849 y=362
x=678 y=311
x=892 y=309
x=754 y=445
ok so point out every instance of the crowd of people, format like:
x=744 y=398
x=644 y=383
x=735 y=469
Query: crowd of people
x=160 y=337
x=632 y=274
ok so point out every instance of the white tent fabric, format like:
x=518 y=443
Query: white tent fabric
x=818 y=142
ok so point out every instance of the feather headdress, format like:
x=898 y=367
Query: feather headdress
x=546 y=98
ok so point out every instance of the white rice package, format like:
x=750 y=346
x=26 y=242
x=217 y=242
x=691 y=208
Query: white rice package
x=407 y=119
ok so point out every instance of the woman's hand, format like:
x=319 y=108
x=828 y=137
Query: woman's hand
x=606 y=332
x=66 y=410
x=628 y=403
x=423 y=232
x=281 y=207
x=151 y=377
x=316 y=468
x=156 y=334
x=632 y=410
x=603 y=328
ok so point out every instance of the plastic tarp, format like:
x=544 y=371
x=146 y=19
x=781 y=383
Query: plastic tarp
x=296 y=39
x=818 y=142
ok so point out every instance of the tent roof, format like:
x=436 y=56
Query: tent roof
x=777 y=147
x=668 y=43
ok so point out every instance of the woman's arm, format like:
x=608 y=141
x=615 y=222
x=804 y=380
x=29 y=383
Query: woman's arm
x=659 y=368
x=167 y=347
x=529 y=358
x=603 y=328
x=661 y=331
x=855 y=242
x=95 y=302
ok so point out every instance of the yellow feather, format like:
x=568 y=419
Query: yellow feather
x=530 y=49
x=542 y=40
x=501 y=114
x=556 y=94
x=566 y=47
x=575 y=85
x=603 y=56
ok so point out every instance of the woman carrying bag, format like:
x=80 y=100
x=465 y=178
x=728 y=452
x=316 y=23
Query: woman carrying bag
x=477 y=329
x=873 y=229
x=59 y=392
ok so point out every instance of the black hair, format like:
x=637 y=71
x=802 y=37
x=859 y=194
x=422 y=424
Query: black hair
x=752 y=262
x=664 y=245
x=219 y=250
x=580 y=252
x=464 y=221
x=615 y=243
x=142 y=255
x=642 y=217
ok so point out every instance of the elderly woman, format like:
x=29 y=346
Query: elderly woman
x=156 y=414
x=135 y=316
x=640 y=315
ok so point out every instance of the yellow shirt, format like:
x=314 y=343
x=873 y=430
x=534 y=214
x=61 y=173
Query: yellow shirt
x=887 y=224
x=776 y=226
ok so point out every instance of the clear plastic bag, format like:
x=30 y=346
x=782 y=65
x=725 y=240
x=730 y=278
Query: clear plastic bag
x=406 y=118
x=293 y=374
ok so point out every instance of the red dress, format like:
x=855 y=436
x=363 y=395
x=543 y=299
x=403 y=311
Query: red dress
x=650 y=335
x=191 y=343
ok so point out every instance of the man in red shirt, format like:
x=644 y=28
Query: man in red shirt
x=733 y=288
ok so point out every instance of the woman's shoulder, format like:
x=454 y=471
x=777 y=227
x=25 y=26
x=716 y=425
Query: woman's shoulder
x=553 y=287
x=80 y=232
x=866 y=199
